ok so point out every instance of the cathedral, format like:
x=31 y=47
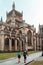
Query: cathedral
x=16 y=34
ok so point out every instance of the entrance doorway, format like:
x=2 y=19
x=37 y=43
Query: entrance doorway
x=7 y=44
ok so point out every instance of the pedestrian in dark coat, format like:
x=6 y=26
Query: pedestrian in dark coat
x=19 y=56
x=25 y=56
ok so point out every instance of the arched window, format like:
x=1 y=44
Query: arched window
x=20 y=31
x=18 y=44
x=12 y=42
x=7 y=42
x=29 y=37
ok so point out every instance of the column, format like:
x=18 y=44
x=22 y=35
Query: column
x=26 y=44
x=35 y=43
x=32 y=39
x=10 y=44
x=15 y=45
x=40 y=43
x=2 y=42
x=20 y=45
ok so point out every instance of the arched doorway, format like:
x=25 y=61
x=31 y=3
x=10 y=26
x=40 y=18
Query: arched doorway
x=18 y=47
x=13 y=44
x=7 y=44
x=29 y=38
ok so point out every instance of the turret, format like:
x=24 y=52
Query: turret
x=13 y=6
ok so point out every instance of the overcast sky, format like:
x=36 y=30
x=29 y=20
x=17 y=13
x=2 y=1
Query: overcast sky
x=32 y=10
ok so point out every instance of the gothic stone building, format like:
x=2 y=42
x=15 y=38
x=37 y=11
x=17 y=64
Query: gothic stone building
x=39 y=38
x=15 y=34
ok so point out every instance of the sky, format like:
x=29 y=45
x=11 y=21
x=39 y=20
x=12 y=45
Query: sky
x=32 y=10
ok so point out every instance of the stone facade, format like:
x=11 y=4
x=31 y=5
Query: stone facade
x=40 y=37
x=15 y=34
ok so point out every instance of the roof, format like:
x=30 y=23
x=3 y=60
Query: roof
x=16 y=12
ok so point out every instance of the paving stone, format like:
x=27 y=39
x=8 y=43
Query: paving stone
x=14 y=61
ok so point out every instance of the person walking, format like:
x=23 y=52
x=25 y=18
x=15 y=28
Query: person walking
x=19 y=56
x=25 y=56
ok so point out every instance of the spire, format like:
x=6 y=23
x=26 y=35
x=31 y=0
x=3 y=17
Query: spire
x=6 y=12
x=22 y=12
x=1 y=19
x=13 y=6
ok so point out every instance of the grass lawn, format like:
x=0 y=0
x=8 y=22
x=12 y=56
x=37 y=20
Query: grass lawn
x=30 y=52
x=7 y=55
x=36 y=63
x=13 y=54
